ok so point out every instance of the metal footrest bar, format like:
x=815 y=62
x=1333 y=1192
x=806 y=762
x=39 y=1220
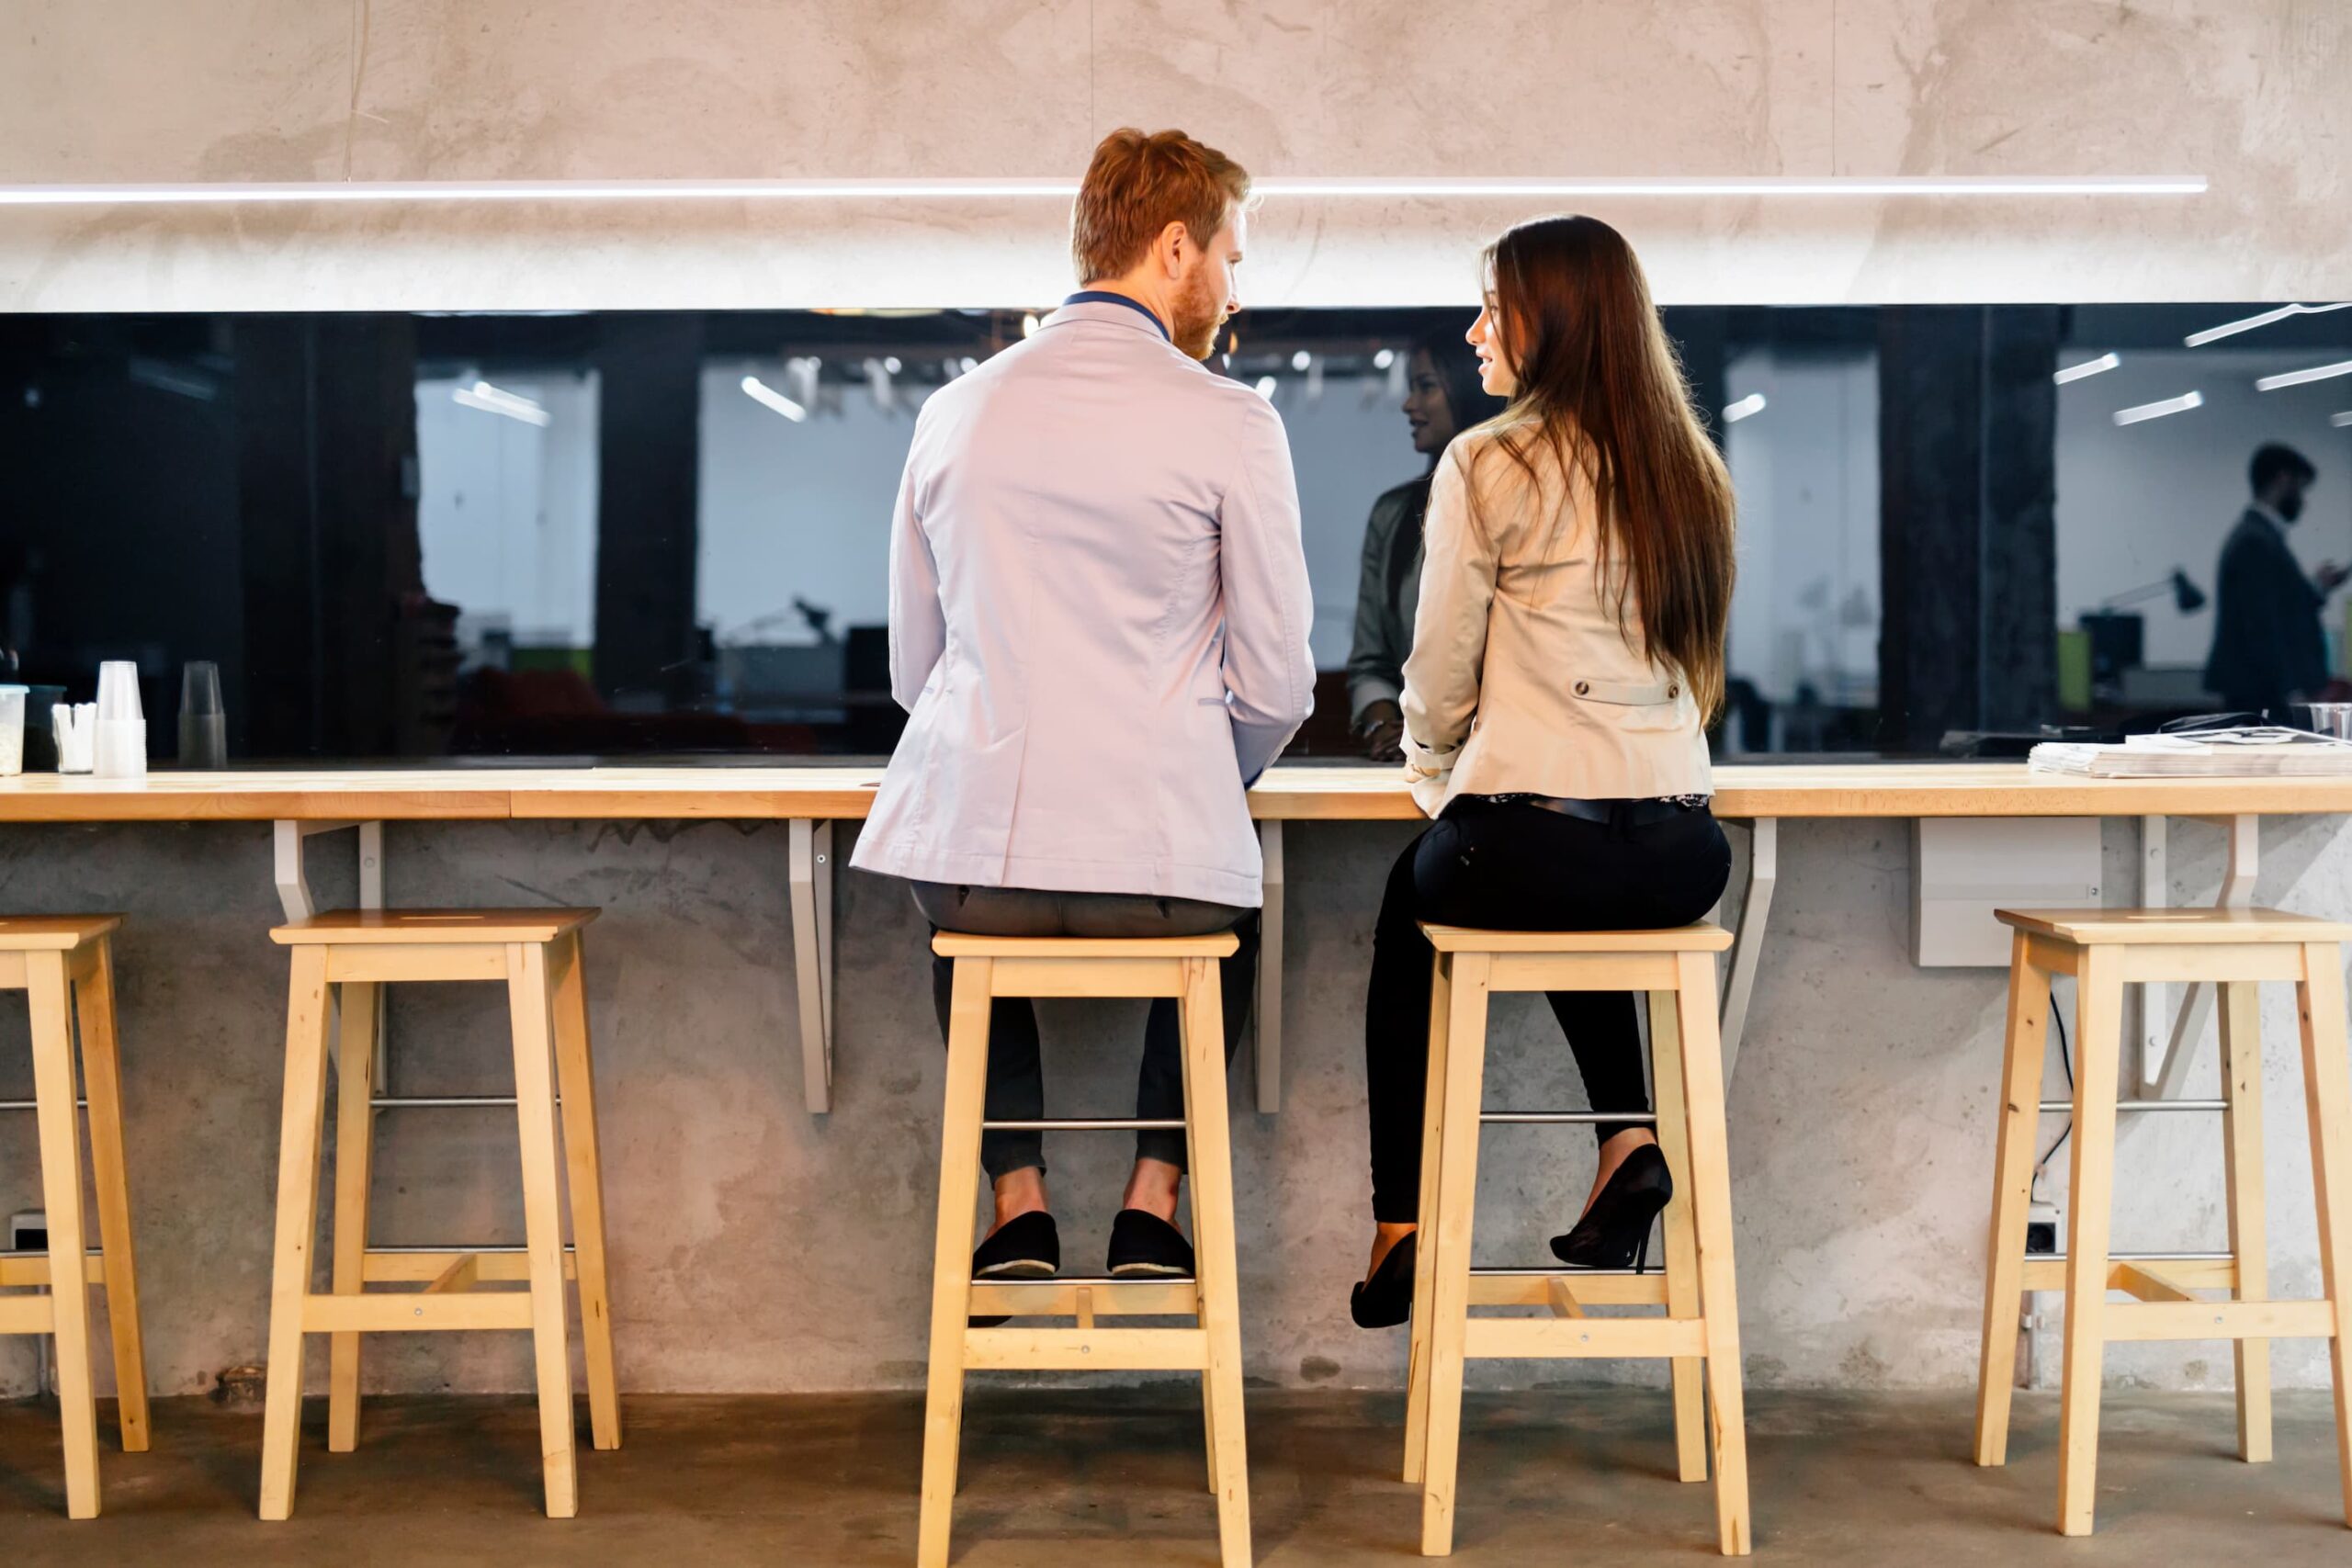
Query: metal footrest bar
x=2125 y=1107
x=1089 y=1124
x=35 y=1105
x=444 y=1101
x=1567 y=1117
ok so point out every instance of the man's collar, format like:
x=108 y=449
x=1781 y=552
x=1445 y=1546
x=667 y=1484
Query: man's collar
x=2263 y=511
x=1107 y=297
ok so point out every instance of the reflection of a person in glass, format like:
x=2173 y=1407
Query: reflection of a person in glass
x=2268 y=647
x=1443 y=398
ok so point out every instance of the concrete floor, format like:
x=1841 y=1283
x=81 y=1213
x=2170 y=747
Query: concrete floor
x=1066 y=1477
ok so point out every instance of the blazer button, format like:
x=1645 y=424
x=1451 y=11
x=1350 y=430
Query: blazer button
x=1584 y=688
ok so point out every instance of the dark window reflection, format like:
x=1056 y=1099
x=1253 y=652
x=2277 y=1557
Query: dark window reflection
x=598 y=534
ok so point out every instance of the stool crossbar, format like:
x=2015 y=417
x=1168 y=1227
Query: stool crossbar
x=537 y=955
x=2105 y=950
x=1186 y=969
x=65 y=964
x=1700 y=1333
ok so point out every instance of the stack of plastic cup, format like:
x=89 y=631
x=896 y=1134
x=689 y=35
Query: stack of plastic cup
x=122 y=727
x=12 y=731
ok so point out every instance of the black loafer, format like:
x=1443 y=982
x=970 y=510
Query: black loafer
x=1145 y=1245
x=1027 y=1247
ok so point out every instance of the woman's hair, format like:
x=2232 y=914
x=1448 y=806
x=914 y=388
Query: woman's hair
x=1456 y=363
x=1599 y=383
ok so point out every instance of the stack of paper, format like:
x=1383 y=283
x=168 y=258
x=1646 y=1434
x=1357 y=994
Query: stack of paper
x=2253 y=753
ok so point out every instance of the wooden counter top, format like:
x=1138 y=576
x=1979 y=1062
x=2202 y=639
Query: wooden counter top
x=1304 y=793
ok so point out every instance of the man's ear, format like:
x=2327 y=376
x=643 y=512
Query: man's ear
x=1170 y=248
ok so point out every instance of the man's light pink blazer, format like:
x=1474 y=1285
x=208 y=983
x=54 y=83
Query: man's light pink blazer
x=1099 y=616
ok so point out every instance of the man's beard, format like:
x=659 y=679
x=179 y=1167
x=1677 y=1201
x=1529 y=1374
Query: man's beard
x=1196 y=317
x=2290 y=508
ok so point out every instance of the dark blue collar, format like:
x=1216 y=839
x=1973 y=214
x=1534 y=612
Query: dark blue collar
x=1105 y=297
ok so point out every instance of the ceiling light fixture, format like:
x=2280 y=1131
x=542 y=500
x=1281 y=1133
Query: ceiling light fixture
x=499 y=400
x=759 y=391
x=2298 y=377
x=1501 y=186
x=2247 y=325
x=2087 y=367
x=1741 y=408
x=2181 y=404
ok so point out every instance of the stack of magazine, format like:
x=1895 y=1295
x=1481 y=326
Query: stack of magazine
x=2254 y=752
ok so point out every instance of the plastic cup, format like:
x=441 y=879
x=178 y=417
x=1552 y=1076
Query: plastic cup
x=118 y=692
x=204 y=723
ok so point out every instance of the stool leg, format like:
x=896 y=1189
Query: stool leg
x=530 y=1001
x=2098 y=1015
x=2328 y=1104
x=2240 y=1020
x=102 y=1084
x=1701 y=1061
x=1682 y=1298
x=354 y=1142
x=1457 y=1193
x=576 y=1076
x=1201 y=1014
x=1417 y=1362
x=61 y=1179
x=2017 y=1119
x=951 y=1258
x=298 y=1198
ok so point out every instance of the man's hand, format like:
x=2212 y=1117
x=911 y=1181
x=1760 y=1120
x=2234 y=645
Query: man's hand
x=2331 y=576
x=1381 y=730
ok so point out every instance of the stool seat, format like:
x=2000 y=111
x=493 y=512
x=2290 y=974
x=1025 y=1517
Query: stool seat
x=1701 y=937
x=53 y=933
x=431 y=925
x=2091 y=927
x=960 y=944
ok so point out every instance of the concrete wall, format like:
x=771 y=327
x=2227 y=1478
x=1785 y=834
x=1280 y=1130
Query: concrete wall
x=757 y=1248
x=2247 y=93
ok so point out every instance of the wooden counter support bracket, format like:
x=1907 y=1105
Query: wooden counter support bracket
x=811 y=877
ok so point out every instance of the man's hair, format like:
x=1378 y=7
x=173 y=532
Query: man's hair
x=2272 y=459
x=1136 y=186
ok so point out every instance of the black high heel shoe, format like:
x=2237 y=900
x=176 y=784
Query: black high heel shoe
x=1386 y=1299
x=1615 y=1232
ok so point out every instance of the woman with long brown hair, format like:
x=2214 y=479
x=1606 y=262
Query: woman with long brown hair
x=1567 y=653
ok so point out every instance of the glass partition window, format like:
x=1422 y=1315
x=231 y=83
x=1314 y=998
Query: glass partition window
x=581 y=534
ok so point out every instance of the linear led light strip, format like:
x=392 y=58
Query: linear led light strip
x=914 y=189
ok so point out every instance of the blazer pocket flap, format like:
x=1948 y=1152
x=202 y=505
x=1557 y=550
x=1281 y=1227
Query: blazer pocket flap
x=1629 y=694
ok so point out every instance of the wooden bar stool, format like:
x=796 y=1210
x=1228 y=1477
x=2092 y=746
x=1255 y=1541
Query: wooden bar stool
x=65 y=964
x=1186 y=969
x=537 y=955
x=1700 y=1328
x=2105 y=950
